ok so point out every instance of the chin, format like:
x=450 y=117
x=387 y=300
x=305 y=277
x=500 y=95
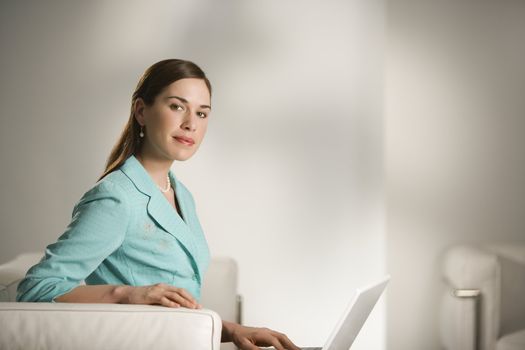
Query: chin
x=181 y=156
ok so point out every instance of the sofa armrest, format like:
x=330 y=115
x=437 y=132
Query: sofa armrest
x=511 y=258
x=470 y=322
x=12 y=272
x=107 y=326
x=497 y=273
x=219 y=290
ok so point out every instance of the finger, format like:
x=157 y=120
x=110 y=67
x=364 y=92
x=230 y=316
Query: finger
x=265 y=337
x=287 y=342
x=167 y=302
x=276 y=343
x=246 y=344
x=180 y=299
x=184 y=293
x=176 y=297
x=284 y=340
x=188 y=296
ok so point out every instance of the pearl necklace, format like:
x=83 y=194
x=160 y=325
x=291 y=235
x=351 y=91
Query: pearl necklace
x=167 y=186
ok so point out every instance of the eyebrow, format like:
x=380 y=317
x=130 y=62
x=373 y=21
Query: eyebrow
x=186 y=101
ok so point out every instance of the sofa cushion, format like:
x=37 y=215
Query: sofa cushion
x=513 y=341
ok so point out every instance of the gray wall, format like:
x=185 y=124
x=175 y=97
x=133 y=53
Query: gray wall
x=289 y=180
x=455 y=160
x=303 y=144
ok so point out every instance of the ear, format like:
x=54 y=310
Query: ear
x=138 y=111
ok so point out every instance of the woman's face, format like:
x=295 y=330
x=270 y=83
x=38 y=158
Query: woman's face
x=175 y=124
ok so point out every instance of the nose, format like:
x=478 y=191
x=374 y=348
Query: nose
x=189 y=122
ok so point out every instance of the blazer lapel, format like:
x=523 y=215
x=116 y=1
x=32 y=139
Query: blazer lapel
x=161 y=210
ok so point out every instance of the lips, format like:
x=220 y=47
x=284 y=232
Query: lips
x=185 y=140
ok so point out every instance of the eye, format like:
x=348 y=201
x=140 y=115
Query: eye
x=176 y=107
x=202 y=115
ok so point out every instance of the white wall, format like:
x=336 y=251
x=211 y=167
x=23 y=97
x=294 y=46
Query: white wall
x=290 y=178
x=455 y=146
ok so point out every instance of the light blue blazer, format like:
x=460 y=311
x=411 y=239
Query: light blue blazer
x=123 y=231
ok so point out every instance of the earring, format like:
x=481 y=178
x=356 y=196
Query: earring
x=141 y=132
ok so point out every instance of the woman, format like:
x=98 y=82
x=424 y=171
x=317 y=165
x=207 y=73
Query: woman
x=135 y=237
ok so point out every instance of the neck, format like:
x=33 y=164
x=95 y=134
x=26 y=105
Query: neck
x=157 y=168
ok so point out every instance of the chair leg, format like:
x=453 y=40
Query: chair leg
x=474 y=294
x=239 y=308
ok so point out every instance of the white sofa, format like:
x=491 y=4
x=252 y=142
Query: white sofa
x=117 y=326
x=483 y=306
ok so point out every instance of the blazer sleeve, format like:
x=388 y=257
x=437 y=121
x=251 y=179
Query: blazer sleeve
x=97 y=228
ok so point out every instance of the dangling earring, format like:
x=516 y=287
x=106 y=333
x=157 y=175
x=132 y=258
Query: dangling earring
x=141 y=132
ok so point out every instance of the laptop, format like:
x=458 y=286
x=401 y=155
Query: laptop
x=355 y=315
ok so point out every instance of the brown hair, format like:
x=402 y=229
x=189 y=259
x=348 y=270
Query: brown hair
x=151 y=84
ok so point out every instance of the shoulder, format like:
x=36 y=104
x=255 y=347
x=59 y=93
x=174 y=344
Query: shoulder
x=112 y=187
x=113 y=183
x=101 y=205
x=116 y=179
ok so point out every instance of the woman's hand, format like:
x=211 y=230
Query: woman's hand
x=160 y=293
x=249 y=338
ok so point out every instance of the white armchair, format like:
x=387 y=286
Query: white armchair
x=116 y=326
x=483 y=307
